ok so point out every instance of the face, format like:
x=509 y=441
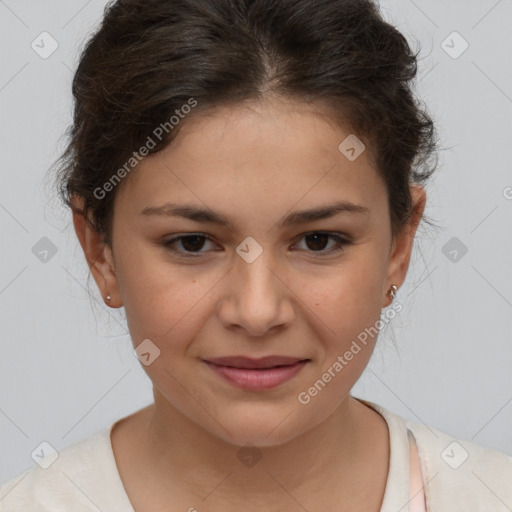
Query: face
x=264 y=281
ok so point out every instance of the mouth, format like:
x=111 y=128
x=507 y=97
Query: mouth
x=249 y=363
x=257 y=374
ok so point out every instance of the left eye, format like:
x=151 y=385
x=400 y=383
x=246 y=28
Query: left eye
x=319 y=239
x=192 y=244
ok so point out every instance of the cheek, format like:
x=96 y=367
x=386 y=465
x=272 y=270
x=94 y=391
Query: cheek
x=158 y=297
x=348 y=297
x=165 y=302
x=347 y=307
x=167 y=310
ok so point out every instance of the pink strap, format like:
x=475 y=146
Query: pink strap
x=416 y=493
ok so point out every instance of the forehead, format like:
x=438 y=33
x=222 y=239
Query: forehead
x=258 y=154
x=274 y=132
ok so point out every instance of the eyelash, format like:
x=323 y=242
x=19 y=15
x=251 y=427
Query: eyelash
x=341 y=243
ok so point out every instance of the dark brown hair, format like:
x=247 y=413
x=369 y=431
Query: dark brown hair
x=151 y=58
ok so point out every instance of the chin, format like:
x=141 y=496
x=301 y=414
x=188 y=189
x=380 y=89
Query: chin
x=259 y=431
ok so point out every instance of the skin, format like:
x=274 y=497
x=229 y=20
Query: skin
x=253 y=163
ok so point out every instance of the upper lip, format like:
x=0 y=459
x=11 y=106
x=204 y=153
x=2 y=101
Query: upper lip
x=249 y=363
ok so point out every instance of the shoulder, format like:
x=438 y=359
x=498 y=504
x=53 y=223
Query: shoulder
x=458 y=475
x=469 y=475
x=79 y=477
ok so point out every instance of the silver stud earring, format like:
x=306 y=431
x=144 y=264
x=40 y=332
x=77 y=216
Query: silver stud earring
x=393 y=292
x=108 y=297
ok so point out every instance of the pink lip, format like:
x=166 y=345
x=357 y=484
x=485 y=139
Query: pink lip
x=257 y=374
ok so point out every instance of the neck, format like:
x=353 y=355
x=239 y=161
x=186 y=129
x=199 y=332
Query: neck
x=328 y=460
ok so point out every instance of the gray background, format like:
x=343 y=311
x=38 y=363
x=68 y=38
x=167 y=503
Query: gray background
x=67 y=369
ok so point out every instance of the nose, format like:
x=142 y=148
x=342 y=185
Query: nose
x=257 y=299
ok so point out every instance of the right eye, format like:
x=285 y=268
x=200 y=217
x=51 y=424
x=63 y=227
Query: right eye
x=191 y=243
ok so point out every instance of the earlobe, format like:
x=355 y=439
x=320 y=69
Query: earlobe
x=98 y=255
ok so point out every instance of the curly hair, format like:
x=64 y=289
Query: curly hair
x=151 y=60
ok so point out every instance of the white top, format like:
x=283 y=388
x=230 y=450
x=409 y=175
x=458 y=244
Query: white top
x=457 y=475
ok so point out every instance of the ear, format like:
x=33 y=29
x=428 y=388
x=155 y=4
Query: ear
x=98 y=254
x=401 y=249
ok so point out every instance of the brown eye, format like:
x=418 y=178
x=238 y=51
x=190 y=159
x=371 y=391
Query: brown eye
x=189 y=244
x=192 y=243
x=317 y=242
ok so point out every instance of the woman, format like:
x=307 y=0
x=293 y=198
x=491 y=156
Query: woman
x=246 y=180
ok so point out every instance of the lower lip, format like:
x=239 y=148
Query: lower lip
x=258 y=380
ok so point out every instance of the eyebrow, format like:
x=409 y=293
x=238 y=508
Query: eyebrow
x=194 y=213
